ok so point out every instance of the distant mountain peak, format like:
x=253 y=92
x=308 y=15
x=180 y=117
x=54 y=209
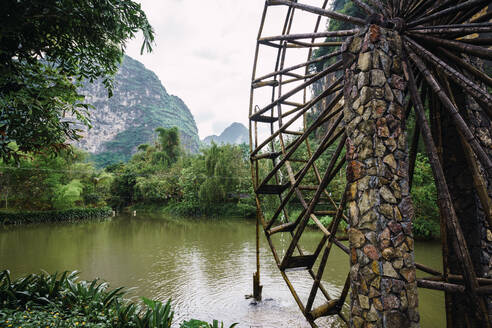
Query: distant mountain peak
x=235 y=134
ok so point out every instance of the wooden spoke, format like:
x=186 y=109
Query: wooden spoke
x=318 y=11
x=448 y=11
x=445 y=203
x=454 y=29
x=471 y=87
x=467 y=66
x=290 y=37
x=291 y=68
x=460 y=123
x=481 y=52
x=336 y=66
x=300 y=44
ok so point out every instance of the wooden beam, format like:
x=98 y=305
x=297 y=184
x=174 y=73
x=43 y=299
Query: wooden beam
x=289 y=37
x=319 y=11
x=447 y=11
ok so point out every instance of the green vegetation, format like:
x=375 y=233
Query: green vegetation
x=70 y=215
x=46 y=181
x=424 y=196
x=215 y=181
x=47 y=48
x=202 y=324
x=162 y=176
x=62 y=301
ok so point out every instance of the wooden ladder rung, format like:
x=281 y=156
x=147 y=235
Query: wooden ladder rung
x=302 y=262
x=286 y=227
x=270 y=155
x=272 y=189
x=296 y=133
x=329 y=308
x=272 y=83
x=263 y=118
x=306 y=187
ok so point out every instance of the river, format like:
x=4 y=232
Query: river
x=204 y=265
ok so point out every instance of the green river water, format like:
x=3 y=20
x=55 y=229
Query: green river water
x=204 y=265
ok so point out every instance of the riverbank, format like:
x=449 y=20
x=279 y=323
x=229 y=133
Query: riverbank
x=227 y=211
x=238 y=209
x=69 y=215
x=63 y=301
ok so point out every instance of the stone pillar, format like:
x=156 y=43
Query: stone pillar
x=383 y=282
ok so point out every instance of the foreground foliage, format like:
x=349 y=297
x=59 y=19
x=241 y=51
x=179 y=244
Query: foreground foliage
x=60 y=300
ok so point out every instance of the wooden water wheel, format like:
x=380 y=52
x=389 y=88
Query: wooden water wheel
x=330 y=112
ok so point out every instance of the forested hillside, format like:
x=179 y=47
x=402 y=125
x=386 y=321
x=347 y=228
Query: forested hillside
x=139 y=105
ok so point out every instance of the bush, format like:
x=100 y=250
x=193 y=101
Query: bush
x=92 y=198
x=231 y=209
x=62 y=301
x=66 y=302
x=424 y=197
x=425 y=229
x=202 y=324
x=69 y=215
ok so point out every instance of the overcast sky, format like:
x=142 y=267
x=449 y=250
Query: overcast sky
x=204 y=55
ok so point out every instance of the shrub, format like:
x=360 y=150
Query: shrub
x=92 y=198
x=66 y=302
x=62 y=301
x=425 y=229
x=66 y=196
x=69 y=215
x=202 y=324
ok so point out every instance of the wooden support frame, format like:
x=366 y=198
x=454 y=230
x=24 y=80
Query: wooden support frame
x=432 y=33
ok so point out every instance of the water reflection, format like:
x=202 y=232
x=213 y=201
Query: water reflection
x=206 y=266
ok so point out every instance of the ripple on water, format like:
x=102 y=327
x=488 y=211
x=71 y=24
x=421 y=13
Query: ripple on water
x=213 y=285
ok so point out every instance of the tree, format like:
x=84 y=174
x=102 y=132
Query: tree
x=169 y=145
x=67 y=195
x=47 y=48
x=44 y=181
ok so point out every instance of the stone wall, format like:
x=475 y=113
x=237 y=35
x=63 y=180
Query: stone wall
x=383 y=282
